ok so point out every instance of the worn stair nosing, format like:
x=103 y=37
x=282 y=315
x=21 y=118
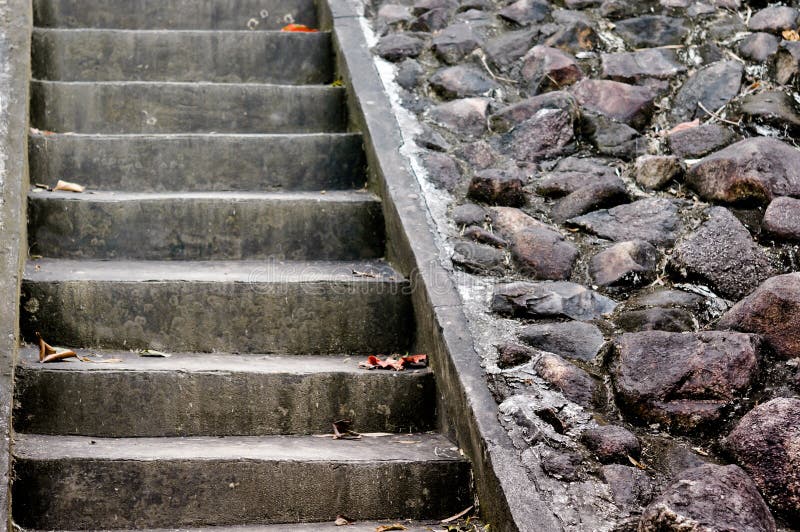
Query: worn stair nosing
x=232 y=197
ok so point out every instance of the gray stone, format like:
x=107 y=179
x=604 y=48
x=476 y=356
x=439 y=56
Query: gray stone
x=547 y=134
x=479 y=154
x=392 y=15
x=561 y=465
x=772 y=311
x=613 y=138
x=722 y=254
x=782 y=218
x=630 y=263
x=431 y=140
x=663 y=297
x=510 y=355
x=510 y=116
x=758 y=46
x=774 y=19
x=432 y=20
x=589 y=198
x=525 y=12
x=454 y=42
x=654 y=171
x=545 y=69
x=423 y=6
x=683 y=380
x=765 y=443
x=698 y=141
x=497 y=187
x=558 y=299
x=572 y=174
x=755 y=169
x=709 y=498
x=611 y=443
x=466 y=116
x=570 y=339
x=632 y=67
x=712 y=87
x=461 y=81
x=576 y=384
x=786 y=64
x=442 y=170
x=504 y=49
x=772 y=108
x=627 y=103
x=654 y=220
x=574 y=36
x=469 y=214
x=656 y=319
x=473 y=257
x=409 y=74
x=650 y=31
x=398 y=46
x=631 y=488
x=617 y=9
x=484 y=236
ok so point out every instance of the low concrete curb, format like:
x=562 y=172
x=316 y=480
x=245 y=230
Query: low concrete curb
x=15 y=29
x=467 y=409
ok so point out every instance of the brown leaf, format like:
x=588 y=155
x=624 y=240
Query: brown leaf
x=342 y=521
x=684 y=126
x=69 y=187
x=387 y=528
x=342 y=430
x=790 y=35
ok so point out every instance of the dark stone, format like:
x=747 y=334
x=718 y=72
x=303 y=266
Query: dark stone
x=572 y=174
x=442 y=169
x=466 y=116
x=710 y=53
x=498 y=188
x=392 y=15
x=479 y=258
x=571 y=339
x=478 y=154
x=576 y=384
x=510 y=355
x=613 y=138
x=431 y=140
x=504 y=50
x=786 y=65
x=559 y=299
x=432 y=20
x=581 y=4
x=423 y=6
x=722 y=254
x=654 y=220
x=561 y=465
x=724 y=27
x=626 y=103
x=765 y=444
x=650 y=31
x=461 y=81
x=758 y=46
x=782 y=219
x=683 y=380
x=546 y=69
x=709 y=498
x=547 y=134
x=525 y=12
x=484 y=236
x=755 y=169
x=617 y=9
x=631 y=263
x=632 y=67
x=656 y=319
x=774 y=19
x=453 y=43
x=409 y=74
x=631 y=488
x=654 y=171
x=663 y=297
x=776 y=109
x=712 y=87
x=589 y=198
x=398 y=46
x=574 y=37
x=611 y=443
x=510 y=116
x=772 y=311
x=469 y=214
x=699 y=141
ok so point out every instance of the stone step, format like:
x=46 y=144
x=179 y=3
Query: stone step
x=64 y=482
x=156 y=107
x=228 y=306
x=147 y=163
x=174 y=14
x=163 y=55
x=358 y=526
x=336 y=225
x=203 y=394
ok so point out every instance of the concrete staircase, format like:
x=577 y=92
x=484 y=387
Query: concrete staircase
x=227 y=223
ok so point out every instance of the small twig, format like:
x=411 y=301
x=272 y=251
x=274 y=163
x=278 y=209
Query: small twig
x=482 y=57
x=717 y=116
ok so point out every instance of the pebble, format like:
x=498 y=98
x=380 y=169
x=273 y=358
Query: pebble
x=575 y=383
x=570 y=339
x=630 y=104
x=701 y=140
x=653 y=172
x=547 y=134
x=556 y=299
x=545 y=69
x=473 y=257
x=453 y=43
x=774 y=19
x=782 y=219
x=497 y=187
x=398 y=46
x=711 y=87
x=589 y=198
x=654 y=220
x=611 y=443
x=525 y=12
x=633 y=67
x=655 y=319
x=758 y=46
x=466 y=116
x=442 y=170
x=771 y=108
x=631 y=263
x=510 y=116
x=650 y=31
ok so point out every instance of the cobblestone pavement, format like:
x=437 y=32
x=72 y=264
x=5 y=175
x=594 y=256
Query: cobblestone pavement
x=615 y=182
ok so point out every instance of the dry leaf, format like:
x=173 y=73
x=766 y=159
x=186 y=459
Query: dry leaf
x=342 y=521
x=387 y=528
x=342 y=430
x=48 y=353
x=69 y=187
x=153 y=353
x=395 y=362
x=636 y=462
x=298 y=28
x=459 y=515
x=790 y=35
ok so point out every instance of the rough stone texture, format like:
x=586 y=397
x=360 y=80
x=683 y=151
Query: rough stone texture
x=611 y=443
x=409 y=74
x=573 y=36
x=398 y=46
x=758 y=46
x=772 y=311
x=497 y=187
x=664 y=297
x=653 y=220
x=525 y=12
x=632 y=67
x=782 y=218
x=626 y=263
x=765 y=444
x=455 y=42
x=510 y=116
x=631 y=488
x=786 y=65
x=466 y=116
x=771 y=108
x=774 y=19
x=469 y=214
x=442 y=170
x=656 y=319
x=572 y=174
x=461 y=81
x=505 y=49
x=484 y=236
x=548 y=133
x=576 y=384
x=571 y=339
x=627 y=103
x=701 y=140
x=509 y=355
x=613 y=138
x=709 y=498
x=722 y=254
x=589 y=198
x=683 y=380
x=755 y=169
x=545 y=68
x=479 y=258
x=651 y=31
x=712 y=87
x=559 y=299
x=655 y=171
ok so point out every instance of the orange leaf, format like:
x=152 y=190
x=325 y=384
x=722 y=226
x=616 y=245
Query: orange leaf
x=415 y=361
x=299 y=28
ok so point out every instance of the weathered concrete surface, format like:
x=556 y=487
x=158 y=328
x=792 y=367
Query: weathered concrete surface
x=156 y=397
x=157 y=55
x=140 y=107
x=342 y=225
x=229 y=306
x=15 y=24
x=77 y=482
x=322 y=161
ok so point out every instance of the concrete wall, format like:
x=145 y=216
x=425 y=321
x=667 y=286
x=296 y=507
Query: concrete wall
x=15 y=24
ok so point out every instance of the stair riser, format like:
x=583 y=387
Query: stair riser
x=172 y=403
x=173 y=14
x=253 y=57
x=185 y=108
x=313 y=162
x=308 y=318
x=205 y=229
x=92 y=494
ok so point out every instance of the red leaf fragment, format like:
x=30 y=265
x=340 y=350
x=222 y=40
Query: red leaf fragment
x=298 y=28
x=395 y=362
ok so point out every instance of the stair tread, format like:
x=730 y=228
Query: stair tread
x=428 y=447
x=333 y=196
x=358 y=526
x=54 y=135
x=208 y=363
x=187 y=31
x=242 y=271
